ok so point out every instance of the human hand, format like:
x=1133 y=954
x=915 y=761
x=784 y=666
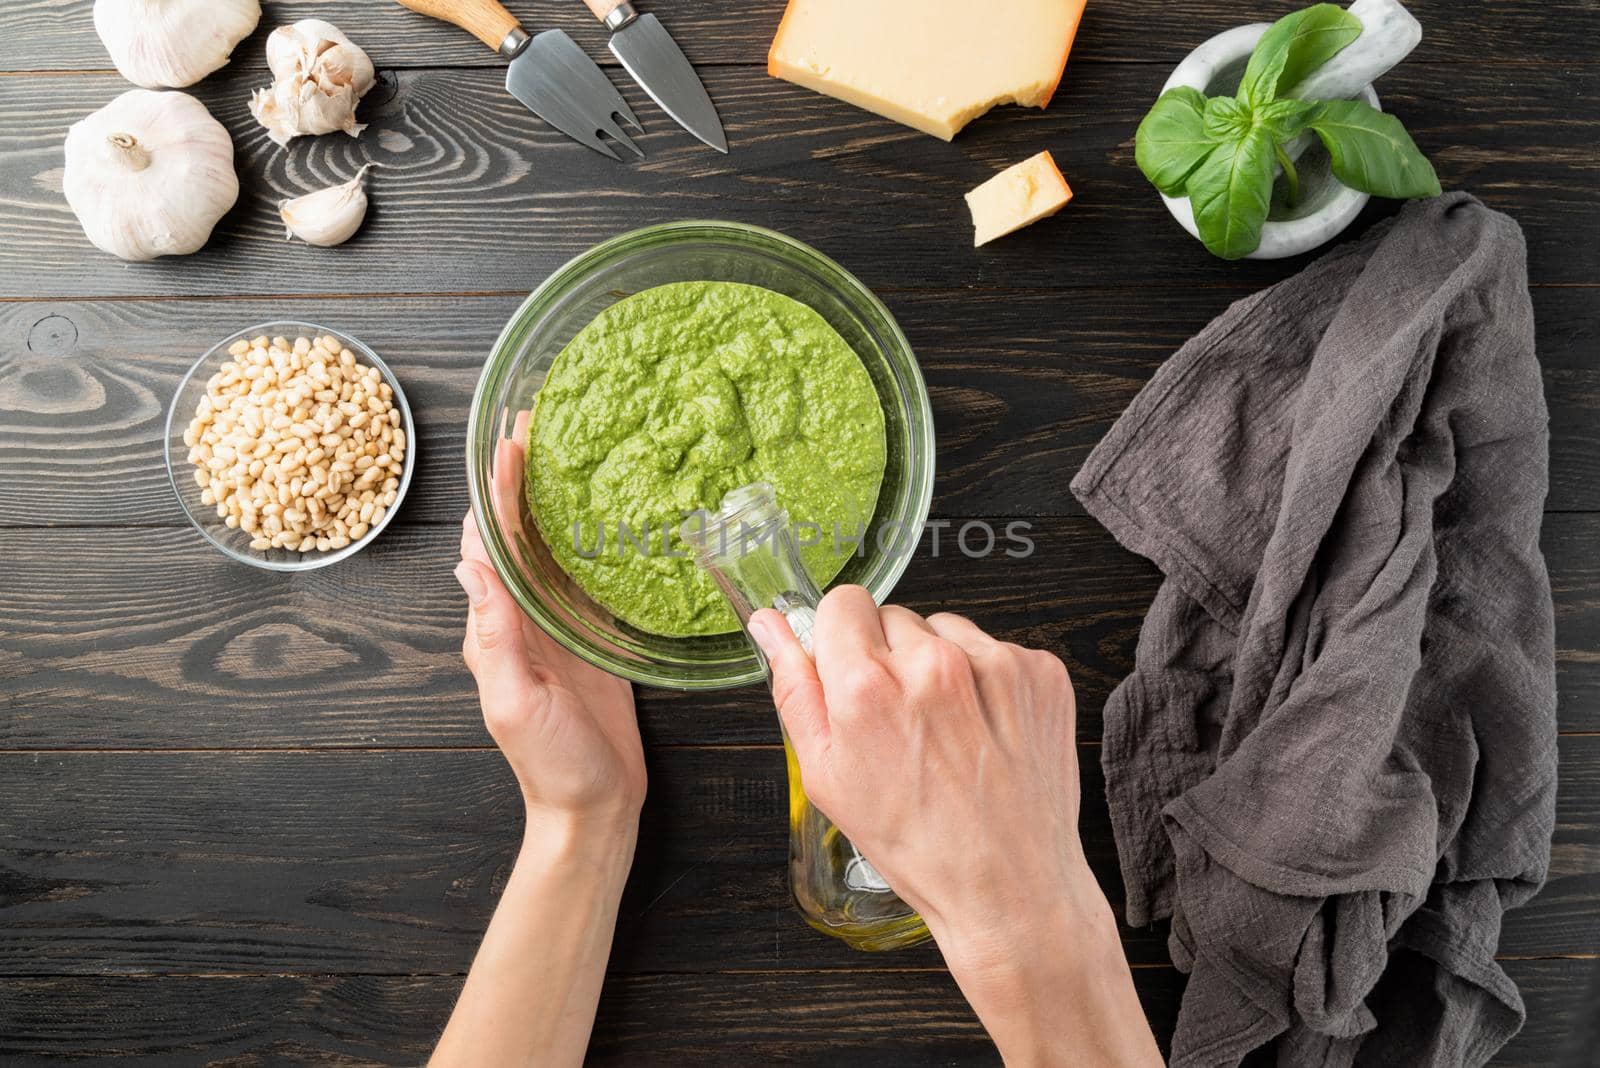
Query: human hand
x=946 y=756
x=950 y=760
x=567 y=728
x=569 y=732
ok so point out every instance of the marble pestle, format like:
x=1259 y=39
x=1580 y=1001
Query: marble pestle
x=1388 y=35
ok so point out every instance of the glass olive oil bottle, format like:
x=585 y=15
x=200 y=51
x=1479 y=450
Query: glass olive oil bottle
x=750 y=549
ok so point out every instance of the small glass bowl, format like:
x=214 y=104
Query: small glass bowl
x=564 y=304
x=235 y=543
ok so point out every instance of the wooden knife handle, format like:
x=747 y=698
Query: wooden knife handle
x=602 y=8
x=484 y=19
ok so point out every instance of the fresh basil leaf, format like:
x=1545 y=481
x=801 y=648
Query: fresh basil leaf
x=1296 y=45
x=1371 y=150
x=1323 y=32
x=1227 y=119
x=1171 y=141
x=1231 y=192
x=1284 y=119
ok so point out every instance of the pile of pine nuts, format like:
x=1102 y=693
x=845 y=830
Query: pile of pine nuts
x=297 y=444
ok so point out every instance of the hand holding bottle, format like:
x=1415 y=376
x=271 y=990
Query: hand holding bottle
x=950 y=760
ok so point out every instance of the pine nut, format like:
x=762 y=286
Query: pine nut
x=298 y=443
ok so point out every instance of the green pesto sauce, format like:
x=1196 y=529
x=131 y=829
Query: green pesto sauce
x=671 y=398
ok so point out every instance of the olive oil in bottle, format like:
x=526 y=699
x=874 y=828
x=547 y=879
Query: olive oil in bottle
x=750 y=550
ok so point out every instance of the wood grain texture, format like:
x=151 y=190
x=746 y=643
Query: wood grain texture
x=112 y=649
x=487 y=20
x=476 y=194
x=1018 y=404
x=894 y=1019
x=601 y=8
x=96 y=658
x=59 y=34
x=390 y=862
x=317 y=906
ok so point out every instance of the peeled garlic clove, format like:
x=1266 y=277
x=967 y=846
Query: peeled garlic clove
x=328 y=216
x=149 y=175
x=172 y=43
x=318 y=77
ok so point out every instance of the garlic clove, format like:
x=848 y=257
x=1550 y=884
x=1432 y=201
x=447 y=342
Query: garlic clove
x=319 y=75
x=342 y=65
x=329 y=216
x=172 y=43
x=150 y=174
x=284 y=51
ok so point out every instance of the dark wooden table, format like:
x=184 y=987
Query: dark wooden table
x=256 y=819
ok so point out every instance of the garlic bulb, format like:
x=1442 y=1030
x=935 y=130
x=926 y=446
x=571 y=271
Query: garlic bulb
x=328 y=216
x=150 y=174
x=318 y=75
x=172 y=43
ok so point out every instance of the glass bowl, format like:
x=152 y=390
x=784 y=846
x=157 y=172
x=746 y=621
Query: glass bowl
x=235 y=543
x=567 y=301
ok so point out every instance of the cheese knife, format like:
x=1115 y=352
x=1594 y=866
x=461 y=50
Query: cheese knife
x=656 y=62
x=549 y=72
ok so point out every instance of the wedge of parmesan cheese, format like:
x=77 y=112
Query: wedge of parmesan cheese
x=1017 y=196
x=934 y=65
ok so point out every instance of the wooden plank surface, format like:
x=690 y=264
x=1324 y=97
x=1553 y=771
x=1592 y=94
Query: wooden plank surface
x=85 y=386
x=477 y=195
x=89 y=665
x=221 y=847
x=897 y=1019
x=387 y=861
x=114 y=650
x=384 y=861
x=47 y=35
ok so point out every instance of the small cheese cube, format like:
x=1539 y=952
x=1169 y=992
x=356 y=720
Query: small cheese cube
x=934 y=65
x=1017 y=196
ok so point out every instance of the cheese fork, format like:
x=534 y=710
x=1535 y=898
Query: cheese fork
x=549 y=72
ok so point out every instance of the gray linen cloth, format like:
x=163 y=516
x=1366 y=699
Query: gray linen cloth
x=1334 y=764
